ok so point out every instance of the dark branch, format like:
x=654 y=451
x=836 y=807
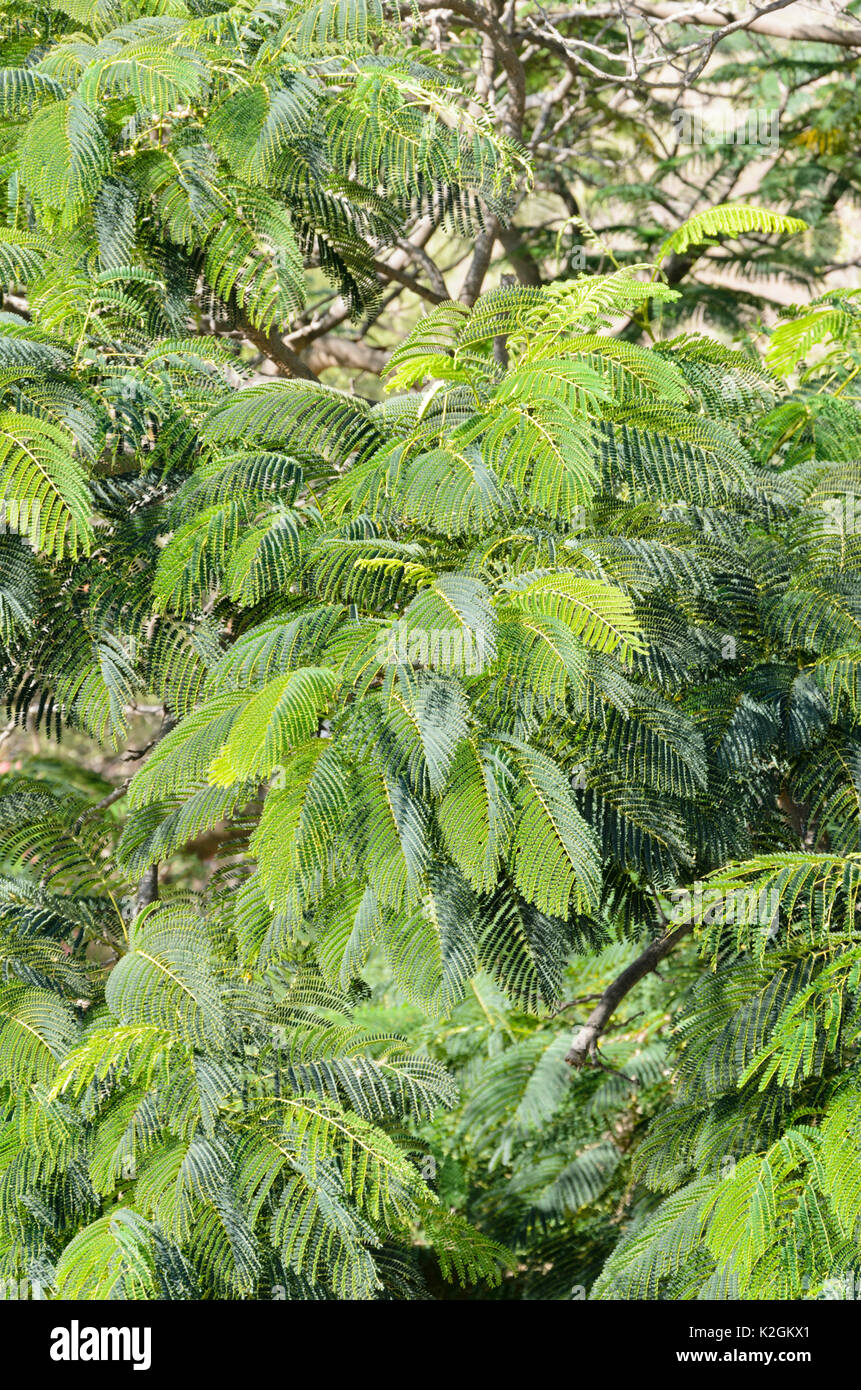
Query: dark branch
x=584 y=1044
x=409 y=282
x=479 y=264
x=269 y=342
x=148 y=887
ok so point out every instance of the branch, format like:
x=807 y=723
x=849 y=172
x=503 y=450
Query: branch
x=505 y=50
x=479 y=264
x=584 y=1044
x=270 y=343
x=299 y=338
x=756 y=22
x=409 y=282
x=116 y=795
x=479 y=18
x=148 y=887
x=330 y=351
x=519 y=256
x=405 y=249
x=416 y=252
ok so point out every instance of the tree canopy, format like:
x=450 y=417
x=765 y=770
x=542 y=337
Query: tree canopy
x=429 y=837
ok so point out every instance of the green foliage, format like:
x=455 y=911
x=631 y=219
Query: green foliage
x=193 y=141
x=477 y=689
x=728 y=219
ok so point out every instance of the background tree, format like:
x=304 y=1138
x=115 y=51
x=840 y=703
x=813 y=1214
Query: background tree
x=311 y=141
x=636 y=117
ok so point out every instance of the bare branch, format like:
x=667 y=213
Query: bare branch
x=584 y=1043
x=418 y=254
x=409 y=282
x=346 y=352
x=480 y=263
x=116 y=795
x=756 y=21
x=519 y=256
x=481 y=19
x=148 y=887
x=270 y=343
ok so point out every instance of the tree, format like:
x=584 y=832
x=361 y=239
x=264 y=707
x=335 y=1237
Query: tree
x=497 y=669
x=228 y=139
x=635 y=118
x=522 y=699
x=154 y=163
